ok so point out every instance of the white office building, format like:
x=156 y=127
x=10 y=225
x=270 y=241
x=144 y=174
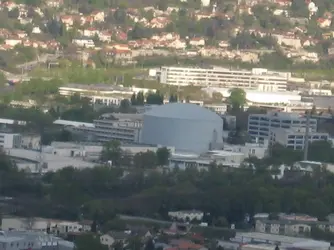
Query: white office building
x=295 y=137
x=260 y=125
x=122 y=127
x=10 y=140
x=257 y=78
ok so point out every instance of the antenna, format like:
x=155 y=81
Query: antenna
x=307 y=130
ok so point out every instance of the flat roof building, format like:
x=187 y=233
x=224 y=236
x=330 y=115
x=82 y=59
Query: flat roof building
x=257 y=78
x=260 y=125
x=294 y=138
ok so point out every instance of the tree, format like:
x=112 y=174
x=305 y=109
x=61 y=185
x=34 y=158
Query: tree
x=155 y=98
x=89 y=241
x=112 y=152
x=162 y=5
x=14 y=13
x=125 y=106
x=163 y=156
x=149 y=245
x=237 y=99
x=144 y=160
x=299 y=8
x=173 y=98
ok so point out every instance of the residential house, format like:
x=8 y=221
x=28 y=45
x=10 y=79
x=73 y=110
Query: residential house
x=84 y=42
x=67 y=20
x=186 y=215
x=178 y=44
x=9 y=5
x=197 y=41
x=54 y=3
x=98 y=16
x=291 y=228
x=159 y=22
x=110 y=238
x=36 y=30
x=105 y=36
x=90 y=32
x=13 y=41
x=117 y=56
x=324 y=22
x=288 y=40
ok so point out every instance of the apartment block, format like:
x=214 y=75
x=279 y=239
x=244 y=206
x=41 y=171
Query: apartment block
x=294 y=138
x=122 y=127
x=291 y=227
x=257 y=78
x=260 y=125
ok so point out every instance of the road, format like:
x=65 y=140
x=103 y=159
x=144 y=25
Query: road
x=126 y=217
x=41 y=59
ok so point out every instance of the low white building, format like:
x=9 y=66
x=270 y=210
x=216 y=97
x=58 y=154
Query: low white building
x=84 y=42
x=203 y=161
x=8 y=140
x=295 y=137
x=258 y=150
x=186 y=215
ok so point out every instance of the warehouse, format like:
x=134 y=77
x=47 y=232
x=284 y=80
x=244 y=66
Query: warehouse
x=187 y=127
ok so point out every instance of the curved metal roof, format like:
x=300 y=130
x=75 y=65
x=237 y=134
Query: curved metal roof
x=183 y=111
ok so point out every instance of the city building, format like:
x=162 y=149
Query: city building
x=8 y=140
x=257 y=78
x=260 y=125
x=186 y=215
x=18 y=240
x=122 y=127
x=185 y=126
x=295 y=137
x=258 y=150
x=255 y=97
x=203 y=161
x=102 y=93
x=284 y=242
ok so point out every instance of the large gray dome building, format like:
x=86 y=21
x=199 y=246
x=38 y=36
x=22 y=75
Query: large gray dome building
x=187 y=127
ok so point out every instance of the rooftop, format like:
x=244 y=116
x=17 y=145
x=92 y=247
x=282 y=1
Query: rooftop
x=54 y=162
x=73 y=123
x=183 y=111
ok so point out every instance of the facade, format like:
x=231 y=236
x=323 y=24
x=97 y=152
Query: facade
x=295 y=137
x=291 y=227
x=18 y=240
x=8 y=141
x=186 y=215
x=187 y=127
x=260 y=125
x=259 y=79
x=204 y=161
x=258 y=150
x=261 y=97
x=122 y=127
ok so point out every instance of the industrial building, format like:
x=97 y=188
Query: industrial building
x=260 y=125
x=284 y=242
x=122 y=127
x=261 y=97
x=257 y=78
x=295 y=137
x=17 y=240
x=187 y=127
x=9 y=140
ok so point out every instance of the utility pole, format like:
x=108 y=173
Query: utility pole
x=307 y=131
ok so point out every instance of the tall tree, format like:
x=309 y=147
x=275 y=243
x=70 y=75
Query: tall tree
x=163 y=156
x=112 y=152
x=237 y=99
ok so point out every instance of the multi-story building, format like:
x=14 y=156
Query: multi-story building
x=291 y=227
x=295 y=137
x=259 y=79
x=260 y=125
x=18 y=240
x=121 y=127
x=8 y=140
